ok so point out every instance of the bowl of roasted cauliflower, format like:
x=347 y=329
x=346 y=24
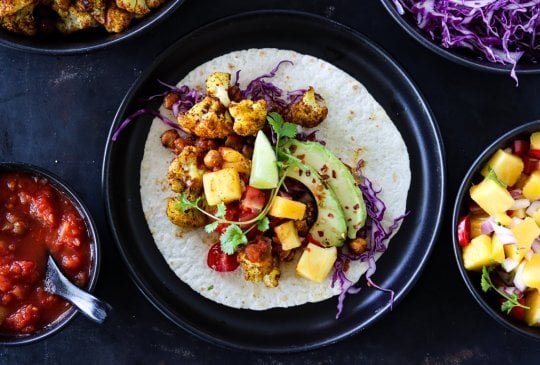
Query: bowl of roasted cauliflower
x=73 y=26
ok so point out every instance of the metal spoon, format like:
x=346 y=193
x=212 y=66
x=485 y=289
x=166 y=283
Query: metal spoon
x=57 y=283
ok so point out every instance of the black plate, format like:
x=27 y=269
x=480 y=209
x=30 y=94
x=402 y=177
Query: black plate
x=88 y=40
x=311 y=325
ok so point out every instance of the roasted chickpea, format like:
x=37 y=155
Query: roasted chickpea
x=206 y=144
x=169 y=100
x=180 y=143
x=168 y=137
x=358 y=245
x=235 y=94
x=213 y=159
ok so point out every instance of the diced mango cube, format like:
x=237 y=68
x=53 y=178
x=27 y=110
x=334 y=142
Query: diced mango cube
x=233 y=158
x=531 y=189
x=316 y=262
x=222 y=186
x=518 y=213
x=478 y=253
x=507 y=167
x=288 y=235
x=525 y=233
x=531 y=272
x=535 y=141
x=497 y=249
x=503 y=219
x=532 y=315
x=287 y=208
x=491 y=197
x=536 y=217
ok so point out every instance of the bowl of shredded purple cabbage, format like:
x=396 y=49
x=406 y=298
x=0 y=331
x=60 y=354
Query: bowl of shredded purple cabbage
x=490 y=35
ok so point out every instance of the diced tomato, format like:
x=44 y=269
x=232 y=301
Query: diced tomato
x=219 y=261
x=247 y=214
x=534 y=153
x=258 y=251
x=531 y=164
x=464 y=231
x=516 y=312
x=232 y=212
x=520 y=147
x=253 y=199
x=222 y=227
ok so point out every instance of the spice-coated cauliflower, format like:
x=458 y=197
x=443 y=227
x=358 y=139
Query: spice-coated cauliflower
x=207 y=119
x=217 y=85
x=185 y=173
x=308 y=111
x=190 y=218
x=75 y=20
x=10 y=7
x=21 y=22
x=249 y=116
x=259 y=264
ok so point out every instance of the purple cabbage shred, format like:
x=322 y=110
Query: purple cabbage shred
x=376 y=236
x=500 y=31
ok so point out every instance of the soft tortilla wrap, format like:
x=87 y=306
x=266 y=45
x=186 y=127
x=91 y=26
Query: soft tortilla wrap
x=356 y=127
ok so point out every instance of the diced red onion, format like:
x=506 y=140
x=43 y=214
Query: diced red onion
x=515 y=222
x=528 y=255
x=518 y=278
x=487 y=226
x=505 y=234
x=516 y=193
x=509 y=264
x=536 y=246
x=520 y=204
x=510 y=290
x=533 y=208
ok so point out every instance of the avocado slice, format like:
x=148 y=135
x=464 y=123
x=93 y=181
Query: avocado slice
x=330 y=228
x=337 y=176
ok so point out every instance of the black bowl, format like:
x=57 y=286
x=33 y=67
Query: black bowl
x=472 y=279
x=459 y=56
x=88 y=40
x=68 y=315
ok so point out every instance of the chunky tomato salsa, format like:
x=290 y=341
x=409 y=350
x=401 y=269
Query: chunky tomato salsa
x=36 y=218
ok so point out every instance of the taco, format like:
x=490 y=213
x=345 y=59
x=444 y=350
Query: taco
x=355 y=130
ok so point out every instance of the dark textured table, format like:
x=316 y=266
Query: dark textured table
x=55 y=112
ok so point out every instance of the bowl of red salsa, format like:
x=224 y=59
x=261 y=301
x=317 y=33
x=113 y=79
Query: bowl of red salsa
x=496 y=229
x=40 y=215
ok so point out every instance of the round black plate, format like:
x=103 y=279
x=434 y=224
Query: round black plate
x=311 y=325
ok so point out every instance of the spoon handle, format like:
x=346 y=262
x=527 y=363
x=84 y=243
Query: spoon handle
x=89 y=305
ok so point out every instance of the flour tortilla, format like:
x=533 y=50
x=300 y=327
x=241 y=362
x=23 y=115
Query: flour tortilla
x=356 y=127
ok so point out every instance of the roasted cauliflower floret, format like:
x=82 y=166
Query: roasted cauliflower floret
x=96 y=8
x=9 y=7
x=207 y=119
x=249 y=116
x=21 y=22
x=191 y=218
x=134 y=6
x=152 y=4
x=259 y=264
x=217 y=85
x=116 y=19
x=184 y=172
x=76 y=20
x=61 y=7
x=308 y=112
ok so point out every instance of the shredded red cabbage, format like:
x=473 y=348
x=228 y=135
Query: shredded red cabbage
x=376 y=236
x=140 y=112
x=501 y=31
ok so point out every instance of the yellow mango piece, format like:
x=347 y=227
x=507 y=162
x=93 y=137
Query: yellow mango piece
x=497 y=249
x=222 y=186
x=536 y=217
x=478 y=253
x=287 y=208
x=531 y=272
x=503 y=219
x=531 y=189
x=532 y=315
x=476 y=225
x=535 y=141
x=233 y=158
x=288 y=235
x=491 y=197
x=525 y=233
x=518 y=213
x=316 y=262
x=507 y=167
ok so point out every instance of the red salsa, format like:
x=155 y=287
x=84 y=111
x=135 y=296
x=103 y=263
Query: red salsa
x=36 y=218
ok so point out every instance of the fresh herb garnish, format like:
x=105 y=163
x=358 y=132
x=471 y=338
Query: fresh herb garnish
x=492 y=175
x=281 y=127
x=511 y=300
x=232 y=238
x=263 y=225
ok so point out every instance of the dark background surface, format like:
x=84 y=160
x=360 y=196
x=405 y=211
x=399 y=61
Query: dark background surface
x=55 y=112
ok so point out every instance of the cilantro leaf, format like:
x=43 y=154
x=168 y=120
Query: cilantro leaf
x=211 y=227
x=485 y=281
x=231 y=239
x=263 y=225
x=183 y=204
x=281 y=127
x=221 y=210
x=508 y=305
x=492 y=175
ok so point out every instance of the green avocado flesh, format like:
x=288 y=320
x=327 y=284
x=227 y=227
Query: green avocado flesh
x=330 y=228
x=337 y=176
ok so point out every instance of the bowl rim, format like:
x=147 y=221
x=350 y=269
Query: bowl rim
x=95 y=251
x=450 y=55
x=32 y=45
x=474 y=288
